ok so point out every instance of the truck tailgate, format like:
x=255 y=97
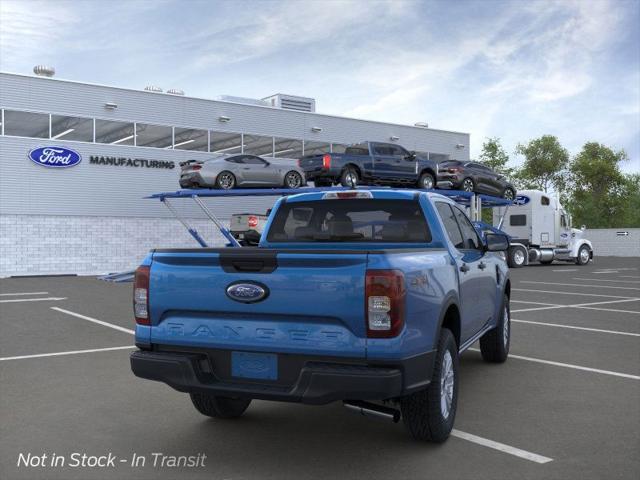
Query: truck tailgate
x=314 y=302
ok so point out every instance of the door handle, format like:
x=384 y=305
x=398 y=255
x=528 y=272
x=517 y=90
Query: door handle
x=482 y=265
x=246 y=168
x=464 y=268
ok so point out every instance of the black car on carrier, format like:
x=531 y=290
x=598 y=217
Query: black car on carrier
x=475 y=177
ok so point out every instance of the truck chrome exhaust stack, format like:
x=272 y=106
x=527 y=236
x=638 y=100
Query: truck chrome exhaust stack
x=368 y=409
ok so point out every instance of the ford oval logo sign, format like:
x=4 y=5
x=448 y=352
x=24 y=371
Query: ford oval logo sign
x=55 y=157
x=247 y=292
x=521 y=200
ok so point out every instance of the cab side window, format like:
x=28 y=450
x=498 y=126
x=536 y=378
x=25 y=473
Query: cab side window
x=450 y=224
x=469 y=234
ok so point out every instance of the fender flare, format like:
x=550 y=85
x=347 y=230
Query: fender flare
x=580 y=243
x=451 y=299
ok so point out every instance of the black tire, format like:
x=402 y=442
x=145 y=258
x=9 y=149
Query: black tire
x=422 y=412
x=427 y=181
x=494 y=345
x=517 y=257
x=293 y=180
x=509 y=194
x=583 y=258
x=349 y=177
x=219 y=407
x=225 y=180
x=468 y=185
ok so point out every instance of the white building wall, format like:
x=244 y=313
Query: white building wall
x=53 y=245
x=612 y=242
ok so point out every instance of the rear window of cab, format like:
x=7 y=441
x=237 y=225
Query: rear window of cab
x=350 y=220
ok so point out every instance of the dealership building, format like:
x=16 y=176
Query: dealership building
x=92 y=218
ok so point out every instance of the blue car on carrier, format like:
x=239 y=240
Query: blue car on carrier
x=361 y=296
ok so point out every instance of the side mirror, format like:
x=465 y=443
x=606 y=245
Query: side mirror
x=583 y=227
x=411 y=156
x=495 y=242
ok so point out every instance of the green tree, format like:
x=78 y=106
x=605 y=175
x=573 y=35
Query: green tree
x=545 y=164
x=494 y=156
x=599 y=194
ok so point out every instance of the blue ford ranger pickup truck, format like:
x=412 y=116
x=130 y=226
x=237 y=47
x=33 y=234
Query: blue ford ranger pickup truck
x=371 y=163
x=361 y=296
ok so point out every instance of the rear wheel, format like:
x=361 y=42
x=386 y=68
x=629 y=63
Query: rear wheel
x=349 y=177
x=508 y=194
x=429 y=414
x=219 y=407
x=293 y=179
x=225 y=180
x=584 y=255
x=426 y=181
x=494 y=345
x=517 y=257
x=468 y=185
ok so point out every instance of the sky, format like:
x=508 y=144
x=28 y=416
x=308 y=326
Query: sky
x=510 y=69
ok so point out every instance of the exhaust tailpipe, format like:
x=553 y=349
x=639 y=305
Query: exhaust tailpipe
x=368 y=409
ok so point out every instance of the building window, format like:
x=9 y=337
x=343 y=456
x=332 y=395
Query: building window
x=287 y=148
x=71 y=128
x=115 y=133
x=227 y=143
x=316 y=148
x=26 y=124
x=258 y=145
x=156 y=136
x=191 y=139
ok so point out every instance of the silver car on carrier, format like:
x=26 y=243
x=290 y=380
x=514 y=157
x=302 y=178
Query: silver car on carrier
x=243 y=170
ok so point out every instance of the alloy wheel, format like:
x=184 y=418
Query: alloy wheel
x=446 y=385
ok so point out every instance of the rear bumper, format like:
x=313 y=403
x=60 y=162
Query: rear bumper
x=318 y=382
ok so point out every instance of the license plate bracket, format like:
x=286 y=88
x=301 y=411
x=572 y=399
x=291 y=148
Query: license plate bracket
x=261 y=366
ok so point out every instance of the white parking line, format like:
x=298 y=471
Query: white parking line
x=567 y=270
x=22 y=293
x=629 y=276
x=485 y=442
x=603 y=280
x=597 y=330
x=611 y=310
x=94 y=320
x=569 y=365
x=47 y=299
x=571 y=293
x=72 y=352
x=536 y=303
x=583 y=305
x=582 y=285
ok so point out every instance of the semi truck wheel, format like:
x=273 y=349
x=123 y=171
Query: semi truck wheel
x=584 y=255
x=219 y=407
x=517 y=257
x=429 y=414
x=494 y=345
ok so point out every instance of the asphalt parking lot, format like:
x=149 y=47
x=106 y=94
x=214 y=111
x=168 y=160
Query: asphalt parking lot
x=565 y=405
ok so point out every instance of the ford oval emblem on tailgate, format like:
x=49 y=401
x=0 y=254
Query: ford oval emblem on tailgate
x=247 y=292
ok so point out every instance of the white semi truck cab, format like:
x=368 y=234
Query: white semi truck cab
x=540 y=231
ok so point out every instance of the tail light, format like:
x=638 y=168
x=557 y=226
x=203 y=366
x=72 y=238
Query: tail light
x=454 y=170
x=346 y=195
x=196 y=167
x=300 y=162
x=141 y=296
x=384 y=297
x=253 y=221
x=326 y=161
